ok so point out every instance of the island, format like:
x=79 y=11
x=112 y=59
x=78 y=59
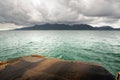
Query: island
x=67 y=27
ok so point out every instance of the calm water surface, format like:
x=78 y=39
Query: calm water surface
x=102 y=47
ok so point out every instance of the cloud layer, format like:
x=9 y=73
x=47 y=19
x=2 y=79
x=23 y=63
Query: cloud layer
x=30 y=12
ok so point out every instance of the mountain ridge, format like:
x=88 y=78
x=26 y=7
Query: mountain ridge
x=66 y=27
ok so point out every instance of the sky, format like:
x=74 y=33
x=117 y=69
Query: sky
x=22 y=13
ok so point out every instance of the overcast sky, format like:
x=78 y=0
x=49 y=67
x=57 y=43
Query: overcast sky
x=20 y=13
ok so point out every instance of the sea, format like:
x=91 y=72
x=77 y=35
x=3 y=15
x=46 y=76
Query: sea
x=99 y=47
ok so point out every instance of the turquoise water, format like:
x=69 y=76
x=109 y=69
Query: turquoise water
x=102 y=47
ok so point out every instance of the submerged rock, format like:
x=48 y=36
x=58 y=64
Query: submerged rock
x=40 y=68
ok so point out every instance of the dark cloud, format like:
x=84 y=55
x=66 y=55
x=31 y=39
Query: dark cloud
x=30 y=12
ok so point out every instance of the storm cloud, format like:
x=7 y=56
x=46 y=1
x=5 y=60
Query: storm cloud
x=31 y=12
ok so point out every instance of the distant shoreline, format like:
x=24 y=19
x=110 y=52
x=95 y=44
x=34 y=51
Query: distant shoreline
x=67 y=27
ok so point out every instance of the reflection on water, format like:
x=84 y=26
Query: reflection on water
x=102 y=47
